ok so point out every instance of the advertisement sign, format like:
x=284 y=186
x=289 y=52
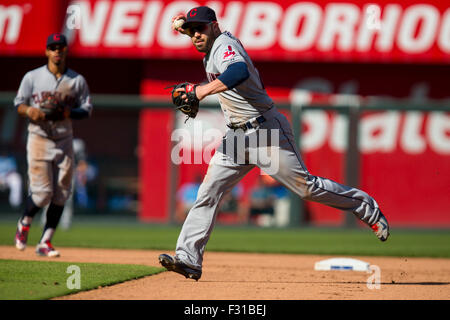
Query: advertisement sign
x=363 y=31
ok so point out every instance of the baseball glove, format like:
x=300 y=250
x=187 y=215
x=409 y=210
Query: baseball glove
x=189 y=106
x=53 y=108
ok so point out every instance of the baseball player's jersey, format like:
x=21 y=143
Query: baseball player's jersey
x=39 y=83
x=247 y=100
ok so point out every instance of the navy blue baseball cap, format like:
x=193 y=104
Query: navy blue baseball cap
x=201 y=14
x=56 y=38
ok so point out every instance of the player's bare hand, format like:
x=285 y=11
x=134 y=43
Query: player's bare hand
x=177 y=22
x=35 y=114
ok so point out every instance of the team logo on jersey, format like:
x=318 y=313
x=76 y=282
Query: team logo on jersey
x=229 y=53
x=62 y=97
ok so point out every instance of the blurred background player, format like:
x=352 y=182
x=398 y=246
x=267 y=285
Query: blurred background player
x=49 y=143
x=10 y=178
x=269 y=203
x=84 y=173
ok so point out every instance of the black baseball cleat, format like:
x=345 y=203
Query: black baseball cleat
x=175 y=265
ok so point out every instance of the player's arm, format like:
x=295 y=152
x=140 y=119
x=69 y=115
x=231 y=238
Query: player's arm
x=34 y=114
x=23 y=98
x=84 y=108
x=233 y=76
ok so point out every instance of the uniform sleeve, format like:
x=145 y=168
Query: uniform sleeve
x=25 y=92
x=235 y=74
x=84 y=98
x=226 y=54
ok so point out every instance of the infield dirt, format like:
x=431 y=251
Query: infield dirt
x=251 y=276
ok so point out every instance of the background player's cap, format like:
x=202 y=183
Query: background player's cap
x=199 y=15
x=56 y=38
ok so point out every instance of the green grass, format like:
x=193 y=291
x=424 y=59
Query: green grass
x=336 y=241
x=31 y=280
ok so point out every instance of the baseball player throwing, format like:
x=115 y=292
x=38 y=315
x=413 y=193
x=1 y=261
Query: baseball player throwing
x=249 y=112
x=50 y=96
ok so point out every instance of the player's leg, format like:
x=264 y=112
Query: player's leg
x=63 y=172
x=44 y=247
x=294 y=175
x=67 y=215
x=40 y=169
x=40 y=176
x=62 y=183
x=222 y=175
x=24 y=224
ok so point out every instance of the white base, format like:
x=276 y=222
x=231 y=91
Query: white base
x=341 y=264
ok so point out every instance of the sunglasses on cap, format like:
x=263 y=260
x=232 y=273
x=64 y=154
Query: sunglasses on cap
x=200 y=28
x=54 y=47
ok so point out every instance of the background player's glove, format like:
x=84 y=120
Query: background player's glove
x=190 y=104
x=53 y=108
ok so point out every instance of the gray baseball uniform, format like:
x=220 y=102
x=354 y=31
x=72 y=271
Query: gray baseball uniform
x=247 y=102
x=49 y=144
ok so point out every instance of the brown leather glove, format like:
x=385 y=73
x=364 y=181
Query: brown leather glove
x=189 y=105
x=53 y=108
